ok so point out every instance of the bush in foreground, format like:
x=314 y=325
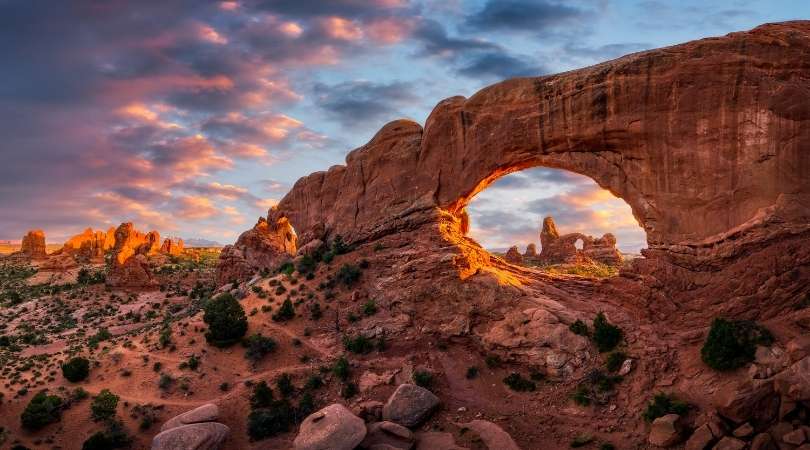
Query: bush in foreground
x=226 y=321
x=76 y=369
x=258 y=346
x=42 y=410
x=104 y=405
x=606 y=336
x=733 y=343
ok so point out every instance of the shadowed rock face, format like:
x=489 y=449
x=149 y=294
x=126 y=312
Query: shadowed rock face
x=706 y=141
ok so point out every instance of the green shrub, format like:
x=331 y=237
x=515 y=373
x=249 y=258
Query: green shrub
x=348 y=274
x=165 y=338
x=606 y=336
x=287 y=268
x=104 y=405
x=615 y=360
x=579 y=327
x=102 y=334
x=114 y=437
x=339 y=247
x=285 y=385
x=349 y=390
x=42 y=410
x=76 y=369
x=516 y=382
x=472 y=372
x=733 y=343
x=370 y=308
x=165 y=381
x=358 y=344
x=306 y=406
x=423 y=378
x=313 y=382
x=226 y=321
x=307 y=264
x=286 y=312
x=270 y=421
x=262 y=396
x=663 y=404
x=315 y=312
x=341 y=368
x=493 y=361
x=258 y=346
x=87 y=277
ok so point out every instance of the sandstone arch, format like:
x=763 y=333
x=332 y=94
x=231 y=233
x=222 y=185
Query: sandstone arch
x=708 y=142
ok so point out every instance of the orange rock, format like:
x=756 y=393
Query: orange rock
x=129 y=266
x=172 y=246
x=33 y=245
x=89 y=245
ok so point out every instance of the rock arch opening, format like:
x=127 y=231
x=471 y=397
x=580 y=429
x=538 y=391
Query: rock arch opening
x=551 y=217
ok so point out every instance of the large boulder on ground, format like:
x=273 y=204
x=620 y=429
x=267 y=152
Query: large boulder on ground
x=205 y=413
x=730 y=443
x=409 y=405
x=331 y=428
x=196 y=436
x=493 y=436
x=701 y=439
x=665 y=431
x=387 y=435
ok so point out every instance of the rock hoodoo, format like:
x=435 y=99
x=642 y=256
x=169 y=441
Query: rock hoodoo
x=129 y=265
x=706 y=141
x=33 y=245
x=172 y=246
x=259 y=248
x=557 y=249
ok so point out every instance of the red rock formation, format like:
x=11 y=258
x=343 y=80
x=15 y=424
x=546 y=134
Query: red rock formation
x=531 y=251
x=129 y=266
x=264 y=246
x=559 y=249
x=172 y=246
x=513 y=256
x=33 y=245
x=705 y=141
x=89 y=245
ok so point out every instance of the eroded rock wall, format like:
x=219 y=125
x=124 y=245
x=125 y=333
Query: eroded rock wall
x=706 y=141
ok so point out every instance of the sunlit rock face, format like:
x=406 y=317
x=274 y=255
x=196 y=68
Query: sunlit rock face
x=33 y=245
x=129 y=265
x=172 y=246
x=705 y=141
x=263 y=247
x=560 y=249
x=89 y=245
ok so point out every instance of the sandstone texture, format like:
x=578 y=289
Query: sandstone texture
x=197 y=436
x=409 y=405
x=331 y=428
x=205 y=413
x=172 y=246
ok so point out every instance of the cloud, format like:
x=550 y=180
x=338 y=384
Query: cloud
x=531 y=15
x=356 y=103
x=499 y=65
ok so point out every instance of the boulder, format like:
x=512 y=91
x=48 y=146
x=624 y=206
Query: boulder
x=730 y=443
x=409 y=405
x=195 y=436
x=310 y=248
x=795 y=437
x=743 y=431
x=493 y=436
x=388 y=434
x=264 y=247
x=205 y=413
x=701 y=439
x=665 y=431
x=763 y=441
x=434 y=440
x=331 y=428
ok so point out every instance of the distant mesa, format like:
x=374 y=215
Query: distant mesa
x=200 y=242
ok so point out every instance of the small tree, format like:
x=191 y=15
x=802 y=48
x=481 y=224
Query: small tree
x=663 y=404
x=76 y=369
x=262 y=396
x=226 y=321
x=42 y=410
x=104 y=405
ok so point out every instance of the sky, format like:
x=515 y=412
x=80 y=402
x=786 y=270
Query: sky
x=193 y=117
